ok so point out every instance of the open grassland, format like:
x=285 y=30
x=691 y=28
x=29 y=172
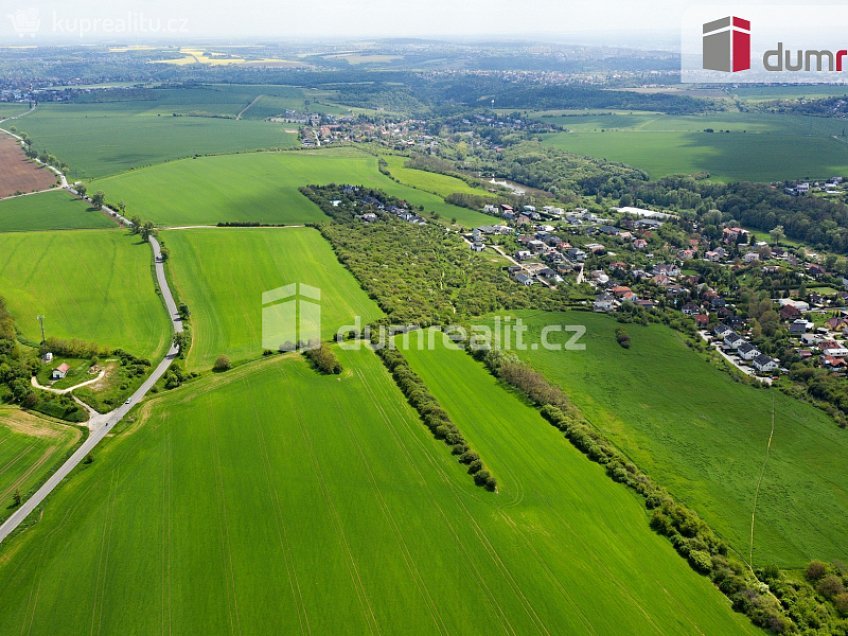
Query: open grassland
x=49 y=211
x=102 y=139
x=440 y=184
x=30 y=447
x=758 y=146
x=257 y=187
x=18 y=174
x=255 y=500
x=94 y=285
x=704 y=437
x=222 y=273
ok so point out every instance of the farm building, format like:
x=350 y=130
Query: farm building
x=60 y=372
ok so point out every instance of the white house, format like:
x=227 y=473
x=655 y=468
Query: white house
x=60 y=372
x=765 y=364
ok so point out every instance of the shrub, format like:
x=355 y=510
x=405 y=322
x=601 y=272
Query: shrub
x=830 y=586
x=815 y=570
x=222 y=364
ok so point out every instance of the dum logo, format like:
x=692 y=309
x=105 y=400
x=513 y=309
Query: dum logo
x=291 y=318
x=727 y=45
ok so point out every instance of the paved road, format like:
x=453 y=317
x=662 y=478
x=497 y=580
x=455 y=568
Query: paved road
x=101 y=425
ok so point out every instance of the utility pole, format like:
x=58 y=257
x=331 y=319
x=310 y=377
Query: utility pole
x=40 y=319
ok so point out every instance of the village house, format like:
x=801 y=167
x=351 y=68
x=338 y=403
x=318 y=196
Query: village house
x=732 y=340
x=60 y=372
x=747 y=351
x=604 y=303
x=765 y=364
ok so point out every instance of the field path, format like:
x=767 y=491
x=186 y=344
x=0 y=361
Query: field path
x=248 y=107
x=34 y=382
x=101 y=425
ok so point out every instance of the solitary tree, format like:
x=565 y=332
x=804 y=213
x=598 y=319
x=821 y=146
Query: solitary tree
x=81 y=189
x=222 y=364
x=16 y=498
x=777 y=234
x=97 y=200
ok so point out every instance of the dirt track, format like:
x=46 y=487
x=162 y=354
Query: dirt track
x=17 y=173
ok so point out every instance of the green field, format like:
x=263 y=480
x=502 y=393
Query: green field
x=30 y=448
x=256 y=187
x=10 y=110
x=102 y=139
x=694 y=430
x=440 y=184
x=759 y=146
x=95 y=285
x=222 y=273
x=271 y=499
x=49 y=211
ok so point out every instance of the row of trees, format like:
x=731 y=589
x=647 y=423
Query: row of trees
x=434 y=416
x=788 y=607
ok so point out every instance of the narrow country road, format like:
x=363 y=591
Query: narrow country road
x=101 y=425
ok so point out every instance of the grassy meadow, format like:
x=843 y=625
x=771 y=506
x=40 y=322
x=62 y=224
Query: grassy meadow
x=257 y=187
x=49 y=211
x=107 y=138
x=703 y=436
x=94 y=285
x=263 y=496
x=222 y=273
x=758 y=146
x=440 y=184
x=30 y=447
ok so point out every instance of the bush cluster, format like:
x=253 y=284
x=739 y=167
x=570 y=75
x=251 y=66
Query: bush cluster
x=323 y=359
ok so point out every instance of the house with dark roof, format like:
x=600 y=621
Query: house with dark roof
x=765 y=364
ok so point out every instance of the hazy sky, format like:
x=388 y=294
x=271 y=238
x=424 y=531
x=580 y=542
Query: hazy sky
x=616 y=21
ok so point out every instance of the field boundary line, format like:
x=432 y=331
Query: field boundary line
x=757 y=490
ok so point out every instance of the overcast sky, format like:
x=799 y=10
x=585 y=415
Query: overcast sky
x=612 y=21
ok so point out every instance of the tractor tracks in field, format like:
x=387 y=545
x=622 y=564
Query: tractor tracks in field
x=757 y=490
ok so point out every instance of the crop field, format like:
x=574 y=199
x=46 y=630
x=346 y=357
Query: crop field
x=264 y=495
x=256 y=187
x=20 y=175
x=222 y=273
x=704 y=436
x=102 y=139
x=440 y=184
x=11 y=110
x=756 y=148
x=49 y=211
x=94 y=285
x=30 y=446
